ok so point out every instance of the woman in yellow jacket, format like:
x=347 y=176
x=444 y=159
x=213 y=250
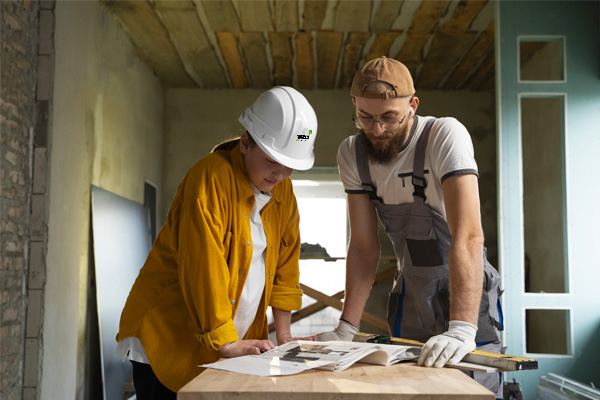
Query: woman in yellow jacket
x=228 y=250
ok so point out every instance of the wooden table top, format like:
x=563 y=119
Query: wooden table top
x=360 y=381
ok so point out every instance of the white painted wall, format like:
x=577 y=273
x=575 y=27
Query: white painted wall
x=107 y=125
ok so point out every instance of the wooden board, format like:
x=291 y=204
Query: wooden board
x=220 y=14
x=482 y=45
x=255 y=16
x=304 y=60
x=286 y=15
x=352 y=16
x=352 y=52
x=504 y=362
x=254 y=48
x=446 y=51
x=386 y=13
x=189 y=38
x=235 y=65
x=328 y=50
x=281 y=52
x=313 y=14
x=398 y=382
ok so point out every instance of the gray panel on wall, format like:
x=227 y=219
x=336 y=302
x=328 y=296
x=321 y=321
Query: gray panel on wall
x=121 y=240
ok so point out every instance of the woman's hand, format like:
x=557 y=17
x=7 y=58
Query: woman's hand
x=287 y=337
x=245 y=347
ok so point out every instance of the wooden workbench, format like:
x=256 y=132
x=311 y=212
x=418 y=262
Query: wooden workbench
x=360 y=381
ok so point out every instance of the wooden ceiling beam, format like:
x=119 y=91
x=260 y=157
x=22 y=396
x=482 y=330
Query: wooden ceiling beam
x=352 y=16
x=428 y=16
x=382 y=44
x=386 y=13
x=304 y=60
x=462 y=17
x=254 y=48
x=446 y=51
x=286 y=15
x=352 y=54
x=281 y=51
x=328 y=52
x=151 y=40
x=472 y=59
x=486 y=68
x=233 y=59
x=221 y=15
x=255 y=16
x=313 y=14
x=411 y=53
x=189 y=38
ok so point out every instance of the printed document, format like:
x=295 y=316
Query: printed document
x=298 y=356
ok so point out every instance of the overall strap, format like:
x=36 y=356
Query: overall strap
x=418 y=177
x=362 y=164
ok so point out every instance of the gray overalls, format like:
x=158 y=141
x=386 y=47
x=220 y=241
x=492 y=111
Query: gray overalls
x=419 y=303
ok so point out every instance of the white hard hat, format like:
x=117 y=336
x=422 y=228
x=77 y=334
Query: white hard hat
x=284 y=125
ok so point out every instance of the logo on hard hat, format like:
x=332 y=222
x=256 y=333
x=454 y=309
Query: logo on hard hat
x=305 y=135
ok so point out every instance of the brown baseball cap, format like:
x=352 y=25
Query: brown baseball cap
x=386 y=70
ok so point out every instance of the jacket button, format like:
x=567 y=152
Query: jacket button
x=233 y=301
x=246 y=216
x=241 y=272
x=258 y=322
x=271 y=274
x=268 y=220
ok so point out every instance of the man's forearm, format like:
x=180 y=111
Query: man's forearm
x=466 y=279
x=361 y=267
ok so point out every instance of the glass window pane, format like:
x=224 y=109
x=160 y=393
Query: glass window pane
x=542 y=138
x=541 y=59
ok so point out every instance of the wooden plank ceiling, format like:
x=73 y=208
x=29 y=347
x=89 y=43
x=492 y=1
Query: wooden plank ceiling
x=310 y=44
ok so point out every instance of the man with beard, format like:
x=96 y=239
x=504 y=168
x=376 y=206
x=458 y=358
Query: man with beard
x=419 y=176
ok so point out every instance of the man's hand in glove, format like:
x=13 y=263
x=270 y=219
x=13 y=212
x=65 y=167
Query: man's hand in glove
x=345 y=331
x=449 y=347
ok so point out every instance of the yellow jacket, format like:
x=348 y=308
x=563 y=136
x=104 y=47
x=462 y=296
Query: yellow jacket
x=183 y=302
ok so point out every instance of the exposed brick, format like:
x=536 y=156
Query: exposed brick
x=34 y=313
x=37 y=270
x=46 y=32
x=44 y=78
x=40 y=165
x=19 y=24
x=29 y=394
x=38 y=217
x=31 y=367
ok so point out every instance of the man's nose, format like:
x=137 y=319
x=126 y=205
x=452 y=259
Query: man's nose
x=377 y=129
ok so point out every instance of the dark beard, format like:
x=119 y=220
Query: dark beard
x=383 y=155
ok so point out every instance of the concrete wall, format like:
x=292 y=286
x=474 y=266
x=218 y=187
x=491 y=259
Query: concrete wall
x=195 y=120
x=107 y=131
x=19 y=41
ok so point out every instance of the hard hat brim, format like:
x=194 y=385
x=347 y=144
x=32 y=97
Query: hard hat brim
x=293 y=163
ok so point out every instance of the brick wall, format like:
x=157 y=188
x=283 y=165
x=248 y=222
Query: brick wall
x=19 y=111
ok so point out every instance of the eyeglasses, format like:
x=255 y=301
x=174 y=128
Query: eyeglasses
x=384 y=122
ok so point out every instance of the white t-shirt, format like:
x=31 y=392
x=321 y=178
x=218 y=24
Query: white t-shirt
x=449 y=152
x=255 y=281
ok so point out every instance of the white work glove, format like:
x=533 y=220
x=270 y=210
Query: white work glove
x=449 y=347
x=345 y=331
